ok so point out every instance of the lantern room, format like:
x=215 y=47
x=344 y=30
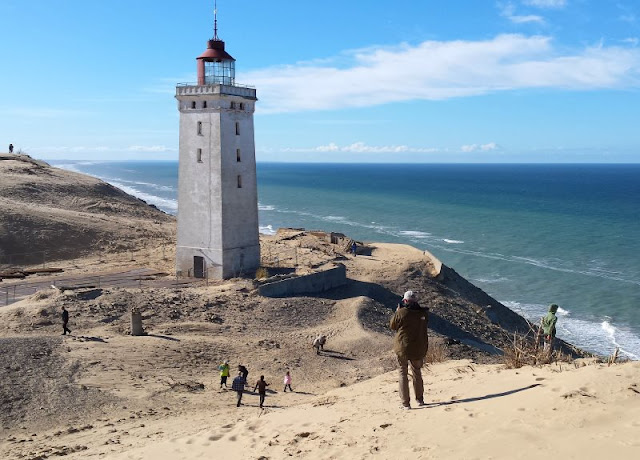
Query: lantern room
x=215 y=65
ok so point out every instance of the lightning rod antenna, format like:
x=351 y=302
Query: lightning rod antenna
x=215 y=19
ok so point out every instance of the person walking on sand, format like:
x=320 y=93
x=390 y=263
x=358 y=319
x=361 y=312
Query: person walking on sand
x=244 y=371
x=318 y=343
x=287 y=382
x=354 y=249
x=224 y=373
x=548 y=325
x=410 y=321
x=65 y=321
x=261 y=386
x=10 y=148
x=238 y=386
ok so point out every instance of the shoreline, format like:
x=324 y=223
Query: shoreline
x=604 y=334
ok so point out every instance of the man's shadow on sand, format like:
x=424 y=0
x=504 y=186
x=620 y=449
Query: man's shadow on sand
x=334 y=354
x=478 y=398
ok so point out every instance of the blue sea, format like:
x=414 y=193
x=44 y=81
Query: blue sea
x=529 y=235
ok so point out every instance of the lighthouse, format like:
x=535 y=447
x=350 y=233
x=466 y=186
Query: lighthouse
x=217 y=188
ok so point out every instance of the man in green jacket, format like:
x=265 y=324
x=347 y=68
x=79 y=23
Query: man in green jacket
x=411 y=342
x=548 y=324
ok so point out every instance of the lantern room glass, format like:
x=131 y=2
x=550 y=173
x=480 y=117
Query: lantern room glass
x=220 y=72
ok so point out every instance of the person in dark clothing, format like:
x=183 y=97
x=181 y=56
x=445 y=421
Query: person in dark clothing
x=244 y=371
x=354 y=248
x=65 y=321
x=238 y=386
x=10 y=148
x=261 y=386
x=411 y=342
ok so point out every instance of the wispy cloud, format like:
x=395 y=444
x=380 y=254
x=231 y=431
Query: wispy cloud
x=437 y=70
x=508 y=10
x=99 y=149
x=479 y=147
x=546 y=3
x=150 y=148
x=362 y=147
x=44 y=112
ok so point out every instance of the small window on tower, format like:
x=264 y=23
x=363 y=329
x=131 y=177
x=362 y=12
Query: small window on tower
x=239 y=181
x=237 y=128
x=238 y=155
x=232 y=105
x=199 y=155
x=242 y=106
x=204 y=104
x=193 y=104
x=199 y=128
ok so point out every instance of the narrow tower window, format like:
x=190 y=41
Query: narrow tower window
x=239 y=181
x=204 y=104
x=193 y=104
x=199 y=155
x=241 y=106
x=237 y=128
x=199 y=128
x=232 y=105
x=238 y=155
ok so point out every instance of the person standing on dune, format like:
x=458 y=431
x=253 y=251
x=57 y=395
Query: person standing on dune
x=65 y=321
x=261 y=386
x=411 y=343
x=548 y=325
x=224 y=373
x=238 y=386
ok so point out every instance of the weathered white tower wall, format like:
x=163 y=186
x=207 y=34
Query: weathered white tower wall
x=217 y=191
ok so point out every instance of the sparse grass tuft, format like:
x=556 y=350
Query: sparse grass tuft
x=526 y=350
x=262 y=272
x=437 y=352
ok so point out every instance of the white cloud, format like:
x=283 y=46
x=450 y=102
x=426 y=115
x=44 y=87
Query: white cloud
x=546 y=3
x=150 y=148
x=102 y=148
x=631 y=40
x=437 y=70
x=361 y=147
x=479 y=147
x=508 y=11
x=525 y=19
x=43 y=112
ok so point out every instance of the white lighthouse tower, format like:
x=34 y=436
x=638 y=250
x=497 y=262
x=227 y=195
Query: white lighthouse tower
x=217 y=190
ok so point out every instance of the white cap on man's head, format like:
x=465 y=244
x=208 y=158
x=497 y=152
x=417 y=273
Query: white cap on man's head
x=409 y=295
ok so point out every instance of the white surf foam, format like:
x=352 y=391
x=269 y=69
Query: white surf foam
x=499 y=279
x=452 y=241
x=266 y=230
x=414 y=234
x=166 y=204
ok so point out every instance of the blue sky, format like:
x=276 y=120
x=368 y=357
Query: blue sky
x=354 y=81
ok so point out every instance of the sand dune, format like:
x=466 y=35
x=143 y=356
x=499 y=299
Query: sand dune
x=472 y=412
x=102 y=393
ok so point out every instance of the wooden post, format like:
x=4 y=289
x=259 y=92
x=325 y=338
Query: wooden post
x=136 y=322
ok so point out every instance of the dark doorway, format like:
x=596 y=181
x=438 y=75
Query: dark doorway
x=198 y=267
